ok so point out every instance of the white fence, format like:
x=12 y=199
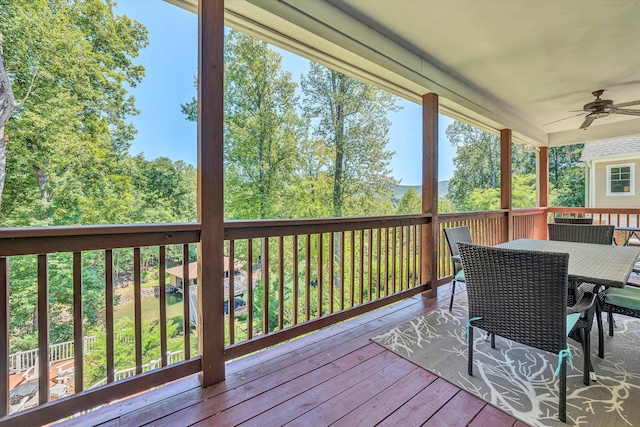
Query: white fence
x=23 y=360
x=172 y=357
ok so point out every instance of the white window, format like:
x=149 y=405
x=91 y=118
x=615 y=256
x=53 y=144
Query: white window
x=621 y=180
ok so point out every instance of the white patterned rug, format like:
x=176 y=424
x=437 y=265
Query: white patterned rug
x=519 y=380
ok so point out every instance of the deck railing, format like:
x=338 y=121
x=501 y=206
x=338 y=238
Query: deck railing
x=78 y=240
x=301 y=275
x=307 y=274
x=620 y=217
x=23 y=360
x=487 y=228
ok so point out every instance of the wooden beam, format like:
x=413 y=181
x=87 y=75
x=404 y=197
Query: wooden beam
x=429 y=238
x=543 y=177
x=43 y=328
x=543 y=189
x=505 y=183
x=210 y=190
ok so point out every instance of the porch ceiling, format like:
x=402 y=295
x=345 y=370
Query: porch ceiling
x=494 y=63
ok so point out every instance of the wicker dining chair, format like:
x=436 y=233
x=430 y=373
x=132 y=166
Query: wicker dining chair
x=624 y=301
x=522 y=296
x=597 y=234
x=453 y=236
x=583 y=221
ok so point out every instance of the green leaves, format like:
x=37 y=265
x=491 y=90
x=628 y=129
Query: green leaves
x=475 y=184
x=70 y=61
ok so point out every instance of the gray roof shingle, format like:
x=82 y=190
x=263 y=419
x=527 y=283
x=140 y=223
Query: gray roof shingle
x=611 y=147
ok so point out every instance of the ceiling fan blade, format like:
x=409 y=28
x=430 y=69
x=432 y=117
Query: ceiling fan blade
x=570 y=117
x=628 y=104
x=587 y=122
x=628 y=112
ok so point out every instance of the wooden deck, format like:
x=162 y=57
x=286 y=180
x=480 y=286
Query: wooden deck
x=336 y=376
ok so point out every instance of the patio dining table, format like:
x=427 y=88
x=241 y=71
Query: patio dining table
x=631 y=232
x=603 y=265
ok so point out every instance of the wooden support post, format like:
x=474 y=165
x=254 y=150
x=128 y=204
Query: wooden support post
x=4 y=336
x=505 y=183
x=543 y=190
x=210 y=190
x=429 y=236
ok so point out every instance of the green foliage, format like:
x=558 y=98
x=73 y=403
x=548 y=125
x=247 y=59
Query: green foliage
x=445 y=204
x=477 y=166
x=24 y=296
x=524 y=191
x=410 y=203
x=567 y=178
x=476 y=181
x=70 y=60
x=95 y=368
x=262 y=128
x=354 y=127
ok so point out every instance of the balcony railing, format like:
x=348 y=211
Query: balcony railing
x=78 y=240
x=307 y=274
x=301 y=275
x=620 y=217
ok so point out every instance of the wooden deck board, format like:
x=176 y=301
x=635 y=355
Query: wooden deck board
x=458 y=411
x=336 y=376
x=492 y=417
x=387 y=402
x=351 y=396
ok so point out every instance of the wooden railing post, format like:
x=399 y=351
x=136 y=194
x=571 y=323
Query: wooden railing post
x=4 y=337
x=429 y=238
x=543 y=188
x=210 y=191
x=505 y=183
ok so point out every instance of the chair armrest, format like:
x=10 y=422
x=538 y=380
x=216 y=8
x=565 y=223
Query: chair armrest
x=585 y=303
x=455 y=258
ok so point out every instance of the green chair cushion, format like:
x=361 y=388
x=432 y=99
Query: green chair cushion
x=571 y=321
x=460 y=276
x=627 y=297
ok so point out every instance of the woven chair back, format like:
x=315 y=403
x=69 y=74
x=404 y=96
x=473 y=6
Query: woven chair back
x=519 y=295
x=454 y=235
x=583 y=221
x=598 y=234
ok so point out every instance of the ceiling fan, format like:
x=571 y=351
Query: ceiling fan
x=600 y=108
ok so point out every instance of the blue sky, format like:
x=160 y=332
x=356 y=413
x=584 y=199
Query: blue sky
x=171 y=61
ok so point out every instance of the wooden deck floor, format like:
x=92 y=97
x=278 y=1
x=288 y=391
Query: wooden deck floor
x=336 y=376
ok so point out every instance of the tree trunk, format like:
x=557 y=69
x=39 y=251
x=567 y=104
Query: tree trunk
x=42 y=184
x=339 y=139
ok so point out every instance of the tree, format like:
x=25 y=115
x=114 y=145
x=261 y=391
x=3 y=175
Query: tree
x=353 y=125
x=410 y=203
x=166 y=190
x=95 y=361
x=477 y=164
x=261 y=128
x=566 y=176
x=8 y=104
x=70 y=61
x=476 y=181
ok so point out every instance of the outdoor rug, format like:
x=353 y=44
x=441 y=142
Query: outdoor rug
x=518 y=379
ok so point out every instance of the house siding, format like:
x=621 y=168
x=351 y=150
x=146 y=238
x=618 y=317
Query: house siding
x=601 y=198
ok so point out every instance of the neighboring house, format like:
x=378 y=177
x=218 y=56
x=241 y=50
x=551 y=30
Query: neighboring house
x=176 y=277
x=611 y=168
